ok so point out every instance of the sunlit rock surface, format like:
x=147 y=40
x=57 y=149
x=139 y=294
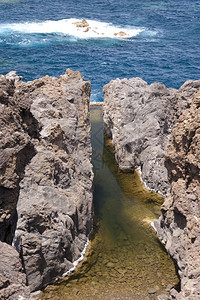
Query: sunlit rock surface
x=139 y=119
x=179 y=225
x=45 y=169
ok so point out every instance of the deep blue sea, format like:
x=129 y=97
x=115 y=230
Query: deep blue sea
x=161 y=41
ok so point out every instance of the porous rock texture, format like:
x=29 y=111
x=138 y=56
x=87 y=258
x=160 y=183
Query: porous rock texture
x=139 y=119
x=179 y=225
x=12 y=277
x=45 y=172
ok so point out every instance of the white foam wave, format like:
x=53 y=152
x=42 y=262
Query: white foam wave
x=94 y=29
x=76 y=262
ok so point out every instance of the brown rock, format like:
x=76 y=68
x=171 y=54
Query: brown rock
x=83 y=23
x=179 y=226
x=121 y=33
x=87 y=29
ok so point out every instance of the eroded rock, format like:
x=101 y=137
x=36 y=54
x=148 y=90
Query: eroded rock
x=16 y=149
x=179 y=226
x=12 y=276
x=45 y=170
x=139 y=119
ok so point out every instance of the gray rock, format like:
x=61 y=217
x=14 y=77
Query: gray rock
x=45 y=169
x=15 y=151
x=163 y=297
x=139 y=119
x=12 y=75
x=152 y=291
x=179 y=226
x=12 y=277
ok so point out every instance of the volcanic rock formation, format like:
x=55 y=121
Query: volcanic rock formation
x=45 y=172
x=179 y=226
x=139 y=119
x=12 y=276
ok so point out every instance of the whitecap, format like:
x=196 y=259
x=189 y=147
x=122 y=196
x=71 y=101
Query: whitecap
x=25 y=42
x=93 y=29
x=76 y=262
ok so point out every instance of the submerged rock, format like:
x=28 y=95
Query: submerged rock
x=179 y=226
x=45 y=169
x=139 y=119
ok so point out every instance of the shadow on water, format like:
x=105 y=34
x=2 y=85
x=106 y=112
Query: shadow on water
x=125 y=259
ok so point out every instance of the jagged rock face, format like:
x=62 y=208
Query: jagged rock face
x=139 y=119
x=12 y=277
x=179 y=225
x=45 y=162
x=16 y=150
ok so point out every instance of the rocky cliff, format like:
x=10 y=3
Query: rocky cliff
x=179 y=226
x=45 y=172
x=139 y=118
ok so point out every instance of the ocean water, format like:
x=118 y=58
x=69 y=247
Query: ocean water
x=161 y=40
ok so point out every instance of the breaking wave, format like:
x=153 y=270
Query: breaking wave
x=81 y=29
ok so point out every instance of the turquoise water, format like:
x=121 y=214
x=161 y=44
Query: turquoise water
x=163 y=44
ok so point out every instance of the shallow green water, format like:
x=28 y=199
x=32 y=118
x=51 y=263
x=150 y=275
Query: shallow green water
x=125 y=259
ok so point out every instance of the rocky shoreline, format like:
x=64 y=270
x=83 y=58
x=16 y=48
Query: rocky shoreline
x=46 y=174
x=139 y=118
x=45 y=178
x=179 y=225
x=144 y=121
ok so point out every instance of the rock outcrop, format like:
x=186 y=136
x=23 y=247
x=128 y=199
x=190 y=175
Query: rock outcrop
x=45 y=172
x=179 y=226
x=16 y=150
x=139 y=119
x=12 y=276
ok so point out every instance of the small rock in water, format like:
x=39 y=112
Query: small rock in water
x=163 y=297
x=110 y=265
x=152 y=291
x=36 y=294
x=121 y=33
x=169 y=287
x=83 y=23
x=87 y=29
x=75 y=291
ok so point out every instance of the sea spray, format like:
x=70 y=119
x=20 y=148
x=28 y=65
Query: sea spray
x=95 y=29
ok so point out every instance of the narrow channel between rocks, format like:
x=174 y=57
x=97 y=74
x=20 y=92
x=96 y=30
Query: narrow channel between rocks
x=125 y=259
